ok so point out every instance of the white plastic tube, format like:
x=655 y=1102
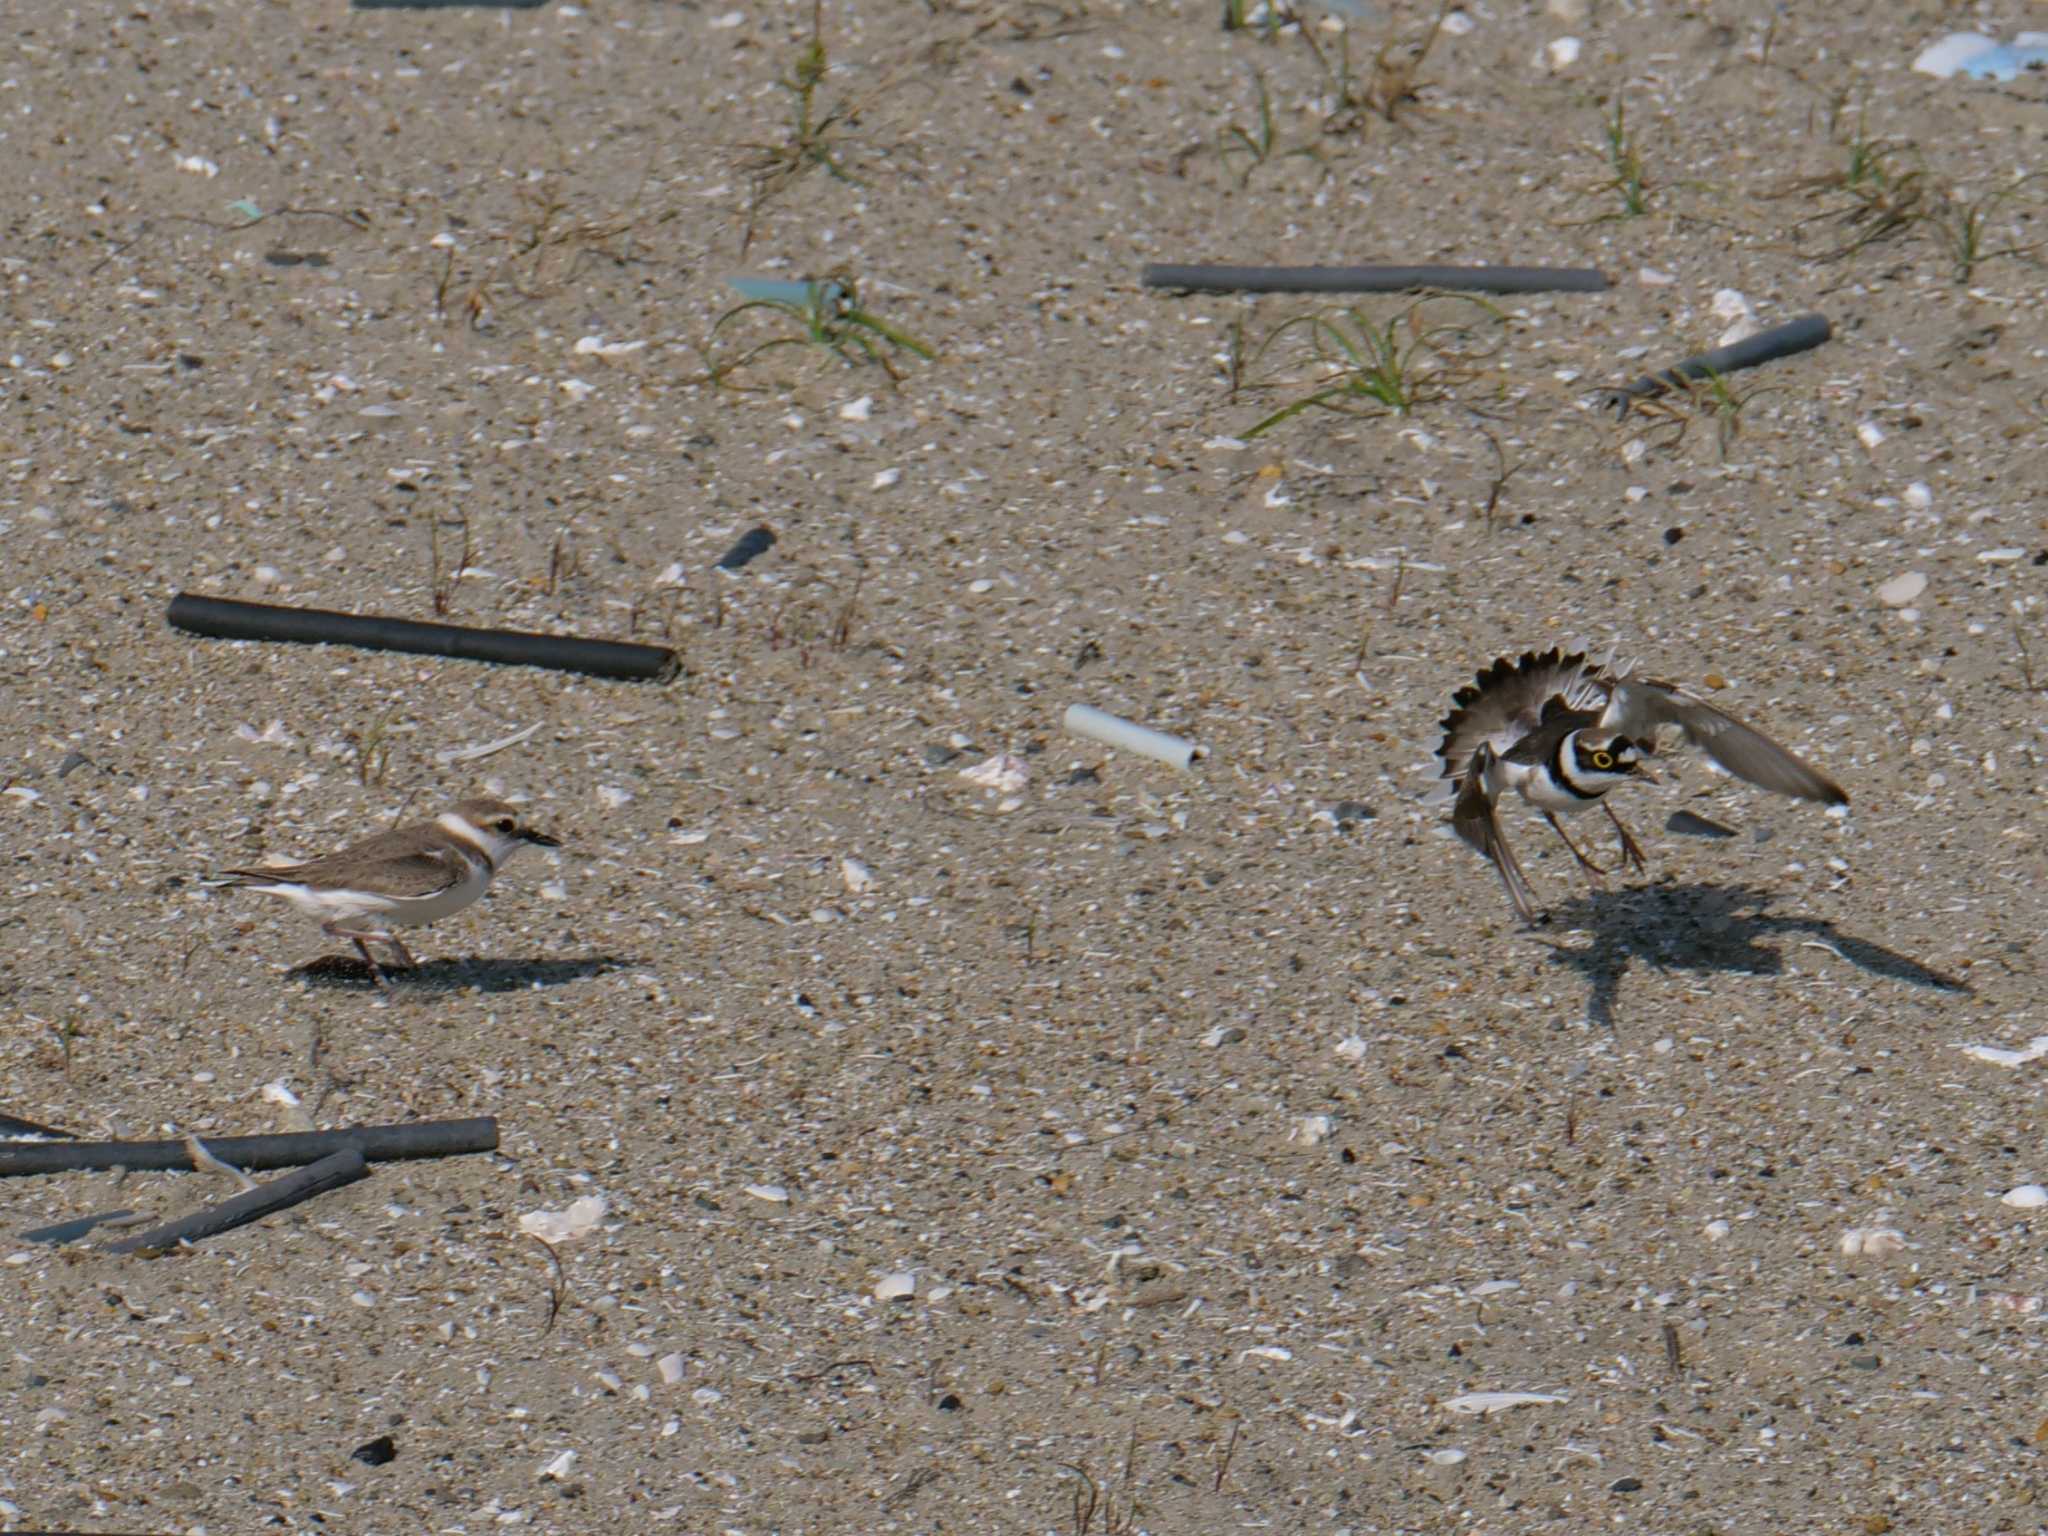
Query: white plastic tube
x=1086 y=720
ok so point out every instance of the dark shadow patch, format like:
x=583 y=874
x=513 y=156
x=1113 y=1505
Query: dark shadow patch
x=1711 y=930
x=350 y=974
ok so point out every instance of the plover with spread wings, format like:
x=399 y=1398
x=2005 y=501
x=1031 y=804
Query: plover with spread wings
x=1561 y=730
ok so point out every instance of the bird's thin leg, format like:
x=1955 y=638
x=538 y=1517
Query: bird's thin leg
x=1631 y=850
x=362 y=948
x=1590 y=867
x=403 y=953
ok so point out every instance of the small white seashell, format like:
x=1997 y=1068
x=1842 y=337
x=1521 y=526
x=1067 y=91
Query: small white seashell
x=577 y=390
x=980 y=585
x=1448 y=1457
x=563 y=1226
x=597 y=346
x=2000 y=556
x=1351 y=1048
x=896 y=1286
x=704 y=1397
x=1998 y=1056
x=1902 y=589
x=858 y=877
x=559 y=1467
x=689 y=837
x=774 y=1194
x=2026 y=1197
x=267 y=575
x=278 y=1093
x=613 y=797
x=1654 y=277
x=672 y=1368
x=445 y=242
x=1870 y=434
x=1002 y=772
x=727 y=21
x=1872 y=1242
x=1919 y=495
x=1494 y=1402
x=1313 y=1130
x=1495 y=1287
x=1266 y=1352
x=23 y=793
x=857 y=410
x=198 y=165
x=1715 y=1230
x=884 y=478
x=1561 y=53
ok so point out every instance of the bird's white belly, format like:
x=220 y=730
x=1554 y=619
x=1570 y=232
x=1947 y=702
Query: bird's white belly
x=348 y=906
x=1536 y=786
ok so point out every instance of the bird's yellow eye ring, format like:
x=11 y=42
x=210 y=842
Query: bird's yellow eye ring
x=1603 y=759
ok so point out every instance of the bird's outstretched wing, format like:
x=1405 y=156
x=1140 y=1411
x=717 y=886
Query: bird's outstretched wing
x=1475 y=819
x=1637 y=706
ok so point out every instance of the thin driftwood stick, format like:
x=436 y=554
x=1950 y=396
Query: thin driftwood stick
x=1375 y=279
x=226 y=618
x=14 y=1125
x=377 y=1143
x=1785 y=340
x=344 y=1167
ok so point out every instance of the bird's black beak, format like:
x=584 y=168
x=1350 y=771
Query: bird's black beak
x=540 y=839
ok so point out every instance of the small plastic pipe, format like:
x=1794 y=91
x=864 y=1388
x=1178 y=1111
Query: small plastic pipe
x=343 y=1167
x=1086 y=720
x=1376 y=279
x=226 y=619
x=1800 y=335
x=378 y=1143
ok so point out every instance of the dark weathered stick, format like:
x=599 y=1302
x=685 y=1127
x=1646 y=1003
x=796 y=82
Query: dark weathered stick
x=1800 y=335
x=1376 y=279
x=344 y=1167
x=72 y=1231
x=377 y=1143
x=226 y=619
x=11 y=1125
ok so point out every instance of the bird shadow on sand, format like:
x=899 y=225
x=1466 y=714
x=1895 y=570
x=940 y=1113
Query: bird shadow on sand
x=1710 y=929
x=349 y=974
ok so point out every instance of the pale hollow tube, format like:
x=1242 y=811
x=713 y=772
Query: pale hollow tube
x=1086 y=720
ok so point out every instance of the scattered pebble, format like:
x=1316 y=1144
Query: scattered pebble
x=1901 y=590
x=672 y=1367
x=1872 y=1242
x=774 y=1194
x=897 y=1286
x=1560 y=54
x=2026 y=1197
x=559 y=1468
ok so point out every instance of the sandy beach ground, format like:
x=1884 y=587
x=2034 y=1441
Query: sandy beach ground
x=1123 y=1149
